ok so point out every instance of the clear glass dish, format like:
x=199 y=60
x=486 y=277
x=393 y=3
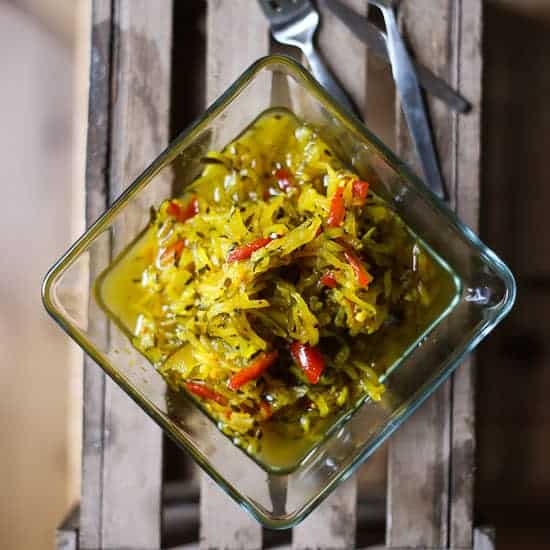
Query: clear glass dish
x=485 y=293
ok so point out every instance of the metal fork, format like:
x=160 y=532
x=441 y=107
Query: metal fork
x=294 y=22
x=412 y=101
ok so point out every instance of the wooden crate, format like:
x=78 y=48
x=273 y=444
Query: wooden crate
x=431 y=458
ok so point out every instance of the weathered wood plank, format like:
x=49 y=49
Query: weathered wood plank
x=347 y=55
x=417 y=477
x=462 y=456
x=237 y=34
x=469 y=24
x=132 y=452
x=418 y=474
x=484 y=538
x=419 y=492
x=333 y=524
x=66 y=536
x=96 y=202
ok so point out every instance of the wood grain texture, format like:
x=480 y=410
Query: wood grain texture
x=431 y=457
x=345 y=54
x=97 y=189
x=121 y=472
x=234 y=42
x=66 y=536
x=484 y=538
x=237 y=35
x=333 y=524
x=419 y=453
x=469 y=25
x=223 y=524
x=132 y=462
x=418 y=477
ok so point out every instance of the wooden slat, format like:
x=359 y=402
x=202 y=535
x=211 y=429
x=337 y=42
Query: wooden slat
x=132 y=462
x=462 y=456
x=418 y=477
x=128 y=128
x=347 y=55
x=425 y=490
x=66 y=536
x=96 y=202
x=237 y=34
x=418 y=472
x=333 y=524
x=484 y=538
x=469 y=22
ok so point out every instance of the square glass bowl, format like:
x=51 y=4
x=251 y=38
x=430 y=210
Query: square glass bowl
x=485 y=293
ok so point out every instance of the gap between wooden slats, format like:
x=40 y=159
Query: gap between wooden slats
x=421 y=502
x=333 y=524
x=237 y=34
x=122 y=454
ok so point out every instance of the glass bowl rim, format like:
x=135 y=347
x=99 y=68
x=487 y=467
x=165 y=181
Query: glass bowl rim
x=350 y=123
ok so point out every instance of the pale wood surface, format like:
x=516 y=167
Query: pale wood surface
x=345 y=54
x=431 y=457
x=129 y=122
x=418 y=472
x=484 y=538
x=96 y=203
x=468 y=174
x=333 y=524
x=66 y=536
x=132 y=461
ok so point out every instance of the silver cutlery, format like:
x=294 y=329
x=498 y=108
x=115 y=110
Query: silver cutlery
x=294 y=22
x=411 y=98
x=375 y=39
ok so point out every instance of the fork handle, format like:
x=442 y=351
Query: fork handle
x=322 y=73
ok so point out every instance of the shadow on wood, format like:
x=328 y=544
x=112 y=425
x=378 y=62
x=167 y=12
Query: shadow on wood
x=513 y=479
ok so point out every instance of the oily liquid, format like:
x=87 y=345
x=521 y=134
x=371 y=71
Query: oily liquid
x=282 y=448
x=283 y=445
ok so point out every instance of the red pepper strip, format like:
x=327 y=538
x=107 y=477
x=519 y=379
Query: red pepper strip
x=245 y=251
x=309 y=359
x=266 y=410
x=173 y=252
x=329 y=280
x=253 y=371
x=173 y=209
x=205 y=392
x=182 y=214
x=337 y=210
x=359 y=191
x=362 y=275
x=284 y=179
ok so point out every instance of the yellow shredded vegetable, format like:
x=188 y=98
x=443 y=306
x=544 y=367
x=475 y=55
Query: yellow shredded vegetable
x=279 y=287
